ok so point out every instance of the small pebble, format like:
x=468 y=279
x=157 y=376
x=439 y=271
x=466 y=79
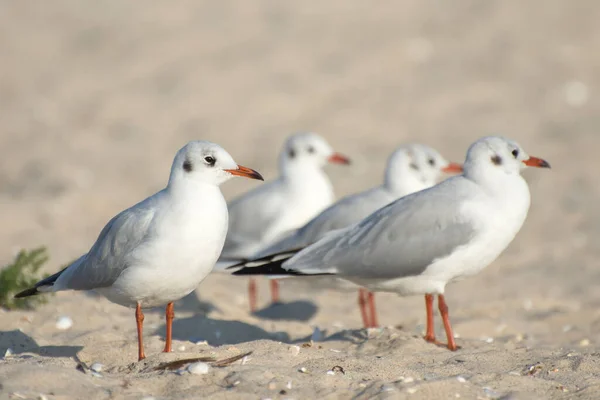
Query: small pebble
x=63 y=323
x=201 y=342
x=294 y=350
x=245 y=360
x=373 y=332
x=411 y=390
x=519 y=337
x=461 y=379
x=584 y=343
x=42 y=397
x=304 y=370
x=198 y=368
x=491 y=393
x=387 y=388
x=96 y=367
x=489 y=340
x=567 y=328
x=330 y=372
x=96 y=374
x=335 y=350
x=289 y=385
x=272 y=386
x=181 y=348
x=9 y=352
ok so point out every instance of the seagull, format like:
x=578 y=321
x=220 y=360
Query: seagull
x=421 y=242
x=410 y=168
x=262 y=215
x=159 y=250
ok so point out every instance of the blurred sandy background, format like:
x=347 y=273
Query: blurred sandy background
x=96 y=98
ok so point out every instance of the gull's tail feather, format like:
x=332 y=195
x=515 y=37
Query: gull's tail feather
x=271 y=265
x=45 y=285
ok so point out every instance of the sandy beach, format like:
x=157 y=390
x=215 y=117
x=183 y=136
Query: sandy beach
x=96 y=98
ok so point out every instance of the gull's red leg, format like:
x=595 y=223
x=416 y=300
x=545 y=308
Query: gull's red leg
x=430 y=332
x=252 y=294
x=444 y=311
x=169 y=316
x=362 y=303
x=139 y=319
x=274 y=291
x=372 y=310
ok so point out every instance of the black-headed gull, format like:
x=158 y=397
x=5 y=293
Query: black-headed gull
x=159 y=250
x=410 y=168
x=302 y=190
x=423 y=241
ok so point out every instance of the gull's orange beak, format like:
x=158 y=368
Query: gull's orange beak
x=453 y=168
x=337 y=158
x=246 y=172
x=536 y=162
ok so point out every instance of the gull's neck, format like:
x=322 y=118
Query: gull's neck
x=186 y=190
x=402 y=183
x=510 y=192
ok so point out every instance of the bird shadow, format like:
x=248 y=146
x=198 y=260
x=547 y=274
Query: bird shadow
x=19 y=342
x=219 y=332
x=300 y=310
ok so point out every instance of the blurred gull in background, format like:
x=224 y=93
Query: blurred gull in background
x=262 y=215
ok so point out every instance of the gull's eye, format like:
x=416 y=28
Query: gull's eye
x=515 y=153
x=310 y=149
x=210 y=160
x=431 y=162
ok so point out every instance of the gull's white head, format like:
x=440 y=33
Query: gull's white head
x=207 y=162
x=305 y=150
x=414 y=167
x=499 y=155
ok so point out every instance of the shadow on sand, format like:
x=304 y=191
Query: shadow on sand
x=292 y=311
x=219 y=332
x=20 y=342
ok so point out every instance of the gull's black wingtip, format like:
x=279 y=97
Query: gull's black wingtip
x=27 y=292
x=272 y=268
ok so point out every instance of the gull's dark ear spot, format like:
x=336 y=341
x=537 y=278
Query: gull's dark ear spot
x=496 y=159
x=414 y=166
x=291 y=153
x=187 y=166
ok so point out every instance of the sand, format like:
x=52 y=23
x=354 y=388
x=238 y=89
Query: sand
x=96 y=97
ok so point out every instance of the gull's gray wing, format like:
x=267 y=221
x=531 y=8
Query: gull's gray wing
x=250 y=217
x=399 y=240
x=112 y=252
x=345 y=212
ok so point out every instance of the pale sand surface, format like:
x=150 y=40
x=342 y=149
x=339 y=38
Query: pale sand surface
x=96 y=97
